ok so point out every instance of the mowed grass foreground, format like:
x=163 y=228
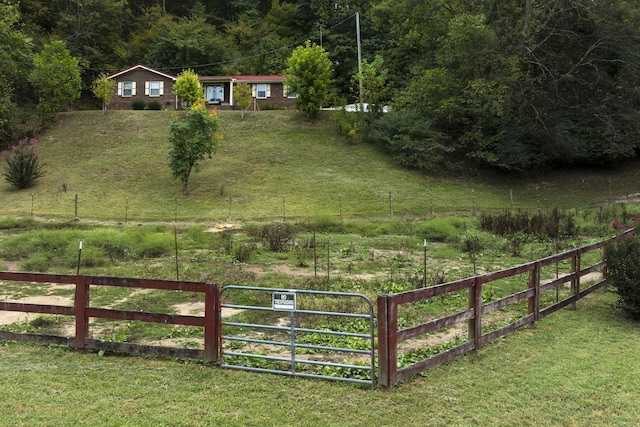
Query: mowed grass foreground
x=575 y=368
x=272 y=164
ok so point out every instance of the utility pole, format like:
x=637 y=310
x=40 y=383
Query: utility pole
x=359 y=58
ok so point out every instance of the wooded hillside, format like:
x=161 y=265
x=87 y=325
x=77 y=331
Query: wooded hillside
x=512 y=84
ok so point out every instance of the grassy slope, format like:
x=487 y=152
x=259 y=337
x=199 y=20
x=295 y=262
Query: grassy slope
x=575 y=368
x=116 y=163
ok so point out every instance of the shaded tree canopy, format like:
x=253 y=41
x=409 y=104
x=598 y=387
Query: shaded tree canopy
x=510 y=84
x=55 y=77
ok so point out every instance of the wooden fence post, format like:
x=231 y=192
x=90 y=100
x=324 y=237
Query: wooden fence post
x=475 y=302
x=212 y=319
x=82 y=303
x=533 y=303
x=387 y=341
x=575 y=282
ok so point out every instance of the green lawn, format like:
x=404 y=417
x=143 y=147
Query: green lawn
x=574 y=368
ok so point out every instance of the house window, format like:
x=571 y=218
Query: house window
x=287 y=93
x=261 y=91
x=127 y=89
x=154 y=88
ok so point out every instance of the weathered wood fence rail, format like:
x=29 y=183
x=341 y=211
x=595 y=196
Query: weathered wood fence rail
x=82 y=311
x=390 y=336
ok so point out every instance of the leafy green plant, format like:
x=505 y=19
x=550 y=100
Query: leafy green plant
x=251 y=362
x=419 y=354
x=411 y=140
x=267 y=107
x=395 y=287
x=23 y=166
x=363 y=373
x=542 y=224
x=277 y=236
x=138 y=104
x=623 y=269
x=154 y=105
x=154 y=245
x=349 y=125
x=37 y=262
x=10 y=223
x=440 y=229
x=243 y=251
x=303 y=255
x=21 y=327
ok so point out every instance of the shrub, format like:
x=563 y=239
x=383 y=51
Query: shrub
x=36 y=263
x=23 y=165
x=138 y=104
x=265 y=107
x=553 y=224
x=444 y=229
x=114 y=243
x=349 y=125
x=91 y=256
x=154 y=245
x=154 y=105
x=8 y=223
x=243 y=252
x=50 y=242
x=325 y=223
x=276 y=236
x=623 y=270
x=412 y=142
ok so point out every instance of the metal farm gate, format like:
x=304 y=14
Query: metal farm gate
x=316 y=334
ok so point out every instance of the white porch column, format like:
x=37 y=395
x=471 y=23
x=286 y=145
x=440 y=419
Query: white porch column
x=231 y=91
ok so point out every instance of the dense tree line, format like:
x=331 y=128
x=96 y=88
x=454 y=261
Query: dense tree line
x=510 y=84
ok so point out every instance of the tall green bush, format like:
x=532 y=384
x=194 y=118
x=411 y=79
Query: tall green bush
x=623 y=269
x=23 y=166
x=410 y=138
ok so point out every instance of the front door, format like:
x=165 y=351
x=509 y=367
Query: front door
x=215 y=94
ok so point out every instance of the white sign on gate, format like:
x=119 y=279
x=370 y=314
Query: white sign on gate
x=284 y=301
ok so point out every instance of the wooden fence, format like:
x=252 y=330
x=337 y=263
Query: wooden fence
x=390 y=336
x=82 y=311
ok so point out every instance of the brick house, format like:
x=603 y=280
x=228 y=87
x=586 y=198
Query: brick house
x=142 y=83
x=265 y=90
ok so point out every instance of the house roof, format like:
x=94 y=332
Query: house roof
x=243 y=79
x=259 y=79
x=143 y=67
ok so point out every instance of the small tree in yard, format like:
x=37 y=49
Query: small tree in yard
x=187 y=88
x=309 y=75
x=193 y=136
x=103 y=88
x=23 y=167
x=242 y=96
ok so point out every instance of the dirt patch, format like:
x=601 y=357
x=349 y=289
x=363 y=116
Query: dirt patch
x=197 y=309
x=222 y=227
x=9 y=317
x=11 y=265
